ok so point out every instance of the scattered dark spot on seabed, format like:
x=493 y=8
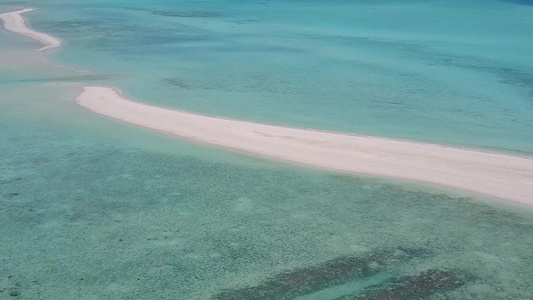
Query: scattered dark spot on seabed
x=188 y=14
x=176 y=82
x=341 y=270
x=13 y=2
x=14 y=293
x=11 y=195
x=6 y=181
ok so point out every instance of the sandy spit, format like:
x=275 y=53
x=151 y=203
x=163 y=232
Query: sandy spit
x=494 y=174
x=14 y=22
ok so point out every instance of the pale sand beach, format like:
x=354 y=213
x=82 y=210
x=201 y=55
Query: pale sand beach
x=498 y=175
x=14 y=22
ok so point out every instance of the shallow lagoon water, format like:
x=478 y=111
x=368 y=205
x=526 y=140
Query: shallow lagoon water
x=92 y=215
x=92 y=208
x=447 y=72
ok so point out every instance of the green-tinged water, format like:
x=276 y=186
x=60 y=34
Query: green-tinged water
x=90 y=216
x=91 y=208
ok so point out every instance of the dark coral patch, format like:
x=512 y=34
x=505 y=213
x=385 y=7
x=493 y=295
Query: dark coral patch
x=414 y=287
x=306 y=280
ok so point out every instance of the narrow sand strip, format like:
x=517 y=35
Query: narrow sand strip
x=13 y=21
x=499 y=175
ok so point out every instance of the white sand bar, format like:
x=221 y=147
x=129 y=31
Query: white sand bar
x=14 y=22
x=498 y=175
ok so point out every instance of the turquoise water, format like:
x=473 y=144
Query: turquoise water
x=451 y=72
x=91 y=208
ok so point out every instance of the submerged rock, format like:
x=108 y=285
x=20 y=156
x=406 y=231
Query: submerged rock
x=14 y=293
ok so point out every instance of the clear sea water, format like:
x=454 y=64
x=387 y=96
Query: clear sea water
x=91 y=208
